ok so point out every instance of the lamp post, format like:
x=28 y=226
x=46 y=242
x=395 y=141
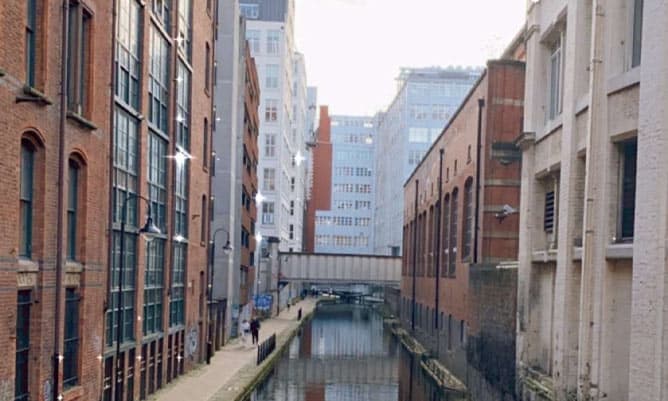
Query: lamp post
x=149 y=231
x=227 y=249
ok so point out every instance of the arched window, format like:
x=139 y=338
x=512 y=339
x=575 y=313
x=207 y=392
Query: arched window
x=467 y=229
x=431 y=267
x=26 y=198
x=453 y=233
x=73 y=215
x=444 y=233
x=436 y=246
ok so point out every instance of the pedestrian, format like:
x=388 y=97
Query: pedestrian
x=245 y=330
x=255 y=330
x=299 y=314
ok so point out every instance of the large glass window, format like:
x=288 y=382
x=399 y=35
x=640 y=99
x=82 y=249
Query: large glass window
x=161 y=11
x=253 y=37
x=273 y=38
x=418 y=135
x=181 y=200
x=158 y=82
x=128 y=38
x=127 y=308
x=157 y=179
x=182 y=106
x=268 y=213
x=31 y=41
x=185 y=37
x=71 y=339
x=176 y=306
x=72 y=206
x=22 y=361
x=250 y=11
x=555 y=80
x=271 y=76
x=271 y=110
x=269 y=179
x=78 y=60
x=26 y=198
x=270 y=145
x=125 y=166
x=153 y=286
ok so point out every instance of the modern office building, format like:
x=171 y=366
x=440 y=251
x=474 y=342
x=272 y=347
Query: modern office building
x=592 y=300
x=281 y=171
x=345 y=224
x=426 y=99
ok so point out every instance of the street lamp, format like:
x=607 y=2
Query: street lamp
x=148 y=231
x=227 y=249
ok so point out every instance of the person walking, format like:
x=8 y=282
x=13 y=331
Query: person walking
x=255 y=330
x=245 y=330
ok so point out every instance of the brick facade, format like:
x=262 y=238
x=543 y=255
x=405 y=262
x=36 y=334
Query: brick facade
x=452 y=284
x=321 y=194
x=249 y=177
x=31 y=114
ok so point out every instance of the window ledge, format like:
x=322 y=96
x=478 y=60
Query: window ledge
x=81 y=120
x=27 y=266
x=73 y=393
x=619 y=251
x=551 y=126
x=31 y=94
x=151 y=337
x=72 y=266
x=544 y=256
x=623 y=81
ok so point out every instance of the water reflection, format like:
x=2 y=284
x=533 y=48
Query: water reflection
x=344 y=354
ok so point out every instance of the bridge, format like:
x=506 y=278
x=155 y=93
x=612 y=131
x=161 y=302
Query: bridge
x=374 y=370
x=322 y=268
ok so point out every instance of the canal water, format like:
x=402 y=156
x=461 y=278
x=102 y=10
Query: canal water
x=345 y=354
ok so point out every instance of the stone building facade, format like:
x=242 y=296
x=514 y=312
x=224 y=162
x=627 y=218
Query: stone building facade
x=460 y=231
x=56 y=137
x=592 y=314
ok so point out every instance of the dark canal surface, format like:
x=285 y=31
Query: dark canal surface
x=345 y=354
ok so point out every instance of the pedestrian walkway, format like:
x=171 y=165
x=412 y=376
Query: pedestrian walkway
x=233 y=368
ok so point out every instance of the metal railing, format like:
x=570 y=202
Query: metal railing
x=266 y=348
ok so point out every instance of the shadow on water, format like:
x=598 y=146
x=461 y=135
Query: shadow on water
x=345 y=354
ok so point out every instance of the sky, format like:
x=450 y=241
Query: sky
x=354 y=48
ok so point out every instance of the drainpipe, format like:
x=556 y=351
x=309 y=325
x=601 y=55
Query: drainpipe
x=438 y=245
x=478 y=156
x=58 y=357
x=415 y=228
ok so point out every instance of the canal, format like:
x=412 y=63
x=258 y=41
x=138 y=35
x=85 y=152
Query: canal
x=345 y=354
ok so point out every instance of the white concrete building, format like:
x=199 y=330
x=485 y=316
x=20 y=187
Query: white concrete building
x=426 y=99
x=283 y=105
x=592 y=301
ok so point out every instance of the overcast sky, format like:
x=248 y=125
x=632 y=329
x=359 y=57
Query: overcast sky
x=354 y=48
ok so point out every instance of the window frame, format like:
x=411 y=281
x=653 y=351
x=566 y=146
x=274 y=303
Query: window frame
x=31 y=33
x=22 y=351
x=27 y=199
x=71 y=338
x=79 y=59
x=73 y=186
x=556 y=74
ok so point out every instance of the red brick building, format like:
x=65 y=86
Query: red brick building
x=133 y=122
x=162 y=123
x=321 y=193
x=249 y=179
x=453 y=297
x=54 y=180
